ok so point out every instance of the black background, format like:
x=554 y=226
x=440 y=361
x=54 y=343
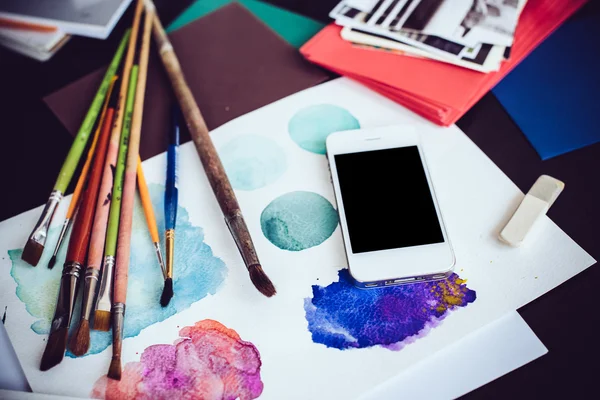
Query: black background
x=387 y=201
x=566 y=319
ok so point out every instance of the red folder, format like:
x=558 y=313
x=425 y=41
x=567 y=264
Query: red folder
x=438 y=91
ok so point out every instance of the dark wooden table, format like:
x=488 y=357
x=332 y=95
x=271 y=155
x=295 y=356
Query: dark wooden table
x=565 y=319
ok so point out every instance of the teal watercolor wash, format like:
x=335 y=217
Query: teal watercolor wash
x=298 y=220
x=197 y=273
x=310 y=126
x=253 y=162
x=38 y=287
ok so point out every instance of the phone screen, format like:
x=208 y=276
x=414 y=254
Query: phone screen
x=387 y=201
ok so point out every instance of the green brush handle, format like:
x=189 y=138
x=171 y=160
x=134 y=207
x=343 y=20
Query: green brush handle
x=110 y=247
x=78 y=146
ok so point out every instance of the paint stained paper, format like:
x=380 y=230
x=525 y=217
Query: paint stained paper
x=208 y=361
x=220 y=336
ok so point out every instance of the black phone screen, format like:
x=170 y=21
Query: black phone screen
x=387 y=201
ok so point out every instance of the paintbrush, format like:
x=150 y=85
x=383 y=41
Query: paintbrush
x=80 y=341
x=112 y=181
x=126 y=219
x=37 y=239
x=211 y=162
x=82 y=178
x=171 y=197
x=149 y=214
x=76 y=254
x=104 y=301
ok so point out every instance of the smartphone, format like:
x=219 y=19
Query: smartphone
x=391 y=221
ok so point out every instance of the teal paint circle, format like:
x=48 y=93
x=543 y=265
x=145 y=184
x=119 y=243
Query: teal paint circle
x=252 y=161
x=310 y=126
x=298 y=220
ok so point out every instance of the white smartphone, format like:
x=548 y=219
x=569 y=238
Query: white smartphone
x=391 y=222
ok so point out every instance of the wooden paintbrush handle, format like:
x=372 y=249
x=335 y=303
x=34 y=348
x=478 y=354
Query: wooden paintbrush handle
x=90 y=156
x=96 y=250
x=147 y=202
x=196 y=125
x=81 y=139
x=80 y=237
x=127 y=202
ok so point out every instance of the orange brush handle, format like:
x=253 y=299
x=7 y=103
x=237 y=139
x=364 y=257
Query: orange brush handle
x=11 y=23
x=147 y=203
x=90 y=156
x=80 y=237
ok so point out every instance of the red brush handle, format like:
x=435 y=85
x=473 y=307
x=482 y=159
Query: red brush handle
x=82 y=227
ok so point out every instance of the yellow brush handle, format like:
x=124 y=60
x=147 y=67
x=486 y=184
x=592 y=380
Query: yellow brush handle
x=90 y=155
x=146 y=202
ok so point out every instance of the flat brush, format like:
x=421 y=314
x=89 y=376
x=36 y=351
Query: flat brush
x=80 y=341
x=149 y=214
x=104 y=302
x=37 y=239
x=76 y=254
x=112 y=181
x=126 y=219
x=210 y=160
x=82 y=179
x=171 y=200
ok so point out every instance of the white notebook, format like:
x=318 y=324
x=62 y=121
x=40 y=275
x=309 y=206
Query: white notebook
x=93 y=18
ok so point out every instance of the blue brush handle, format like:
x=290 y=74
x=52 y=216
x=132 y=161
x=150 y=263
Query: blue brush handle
x=171 y=191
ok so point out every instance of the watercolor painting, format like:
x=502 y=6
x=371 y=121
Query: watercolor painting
x=209 y=361
x=298 y=220
x=38 y=288
x=253 y=161
x=310 y=126
x=344 y=317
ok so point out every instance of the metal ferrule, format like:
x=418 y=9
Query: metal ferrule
x=40 y=232
x=91 y=283
x=70 y=276
x=61 y=237
x=105 y=293
x=118 y=317
x=170 y=247
x=161 y=261
x=237 y=226
x=66 y=296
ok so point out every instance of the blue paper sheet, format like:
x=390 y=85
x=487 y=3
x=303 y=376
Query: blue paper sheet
x=554 y=94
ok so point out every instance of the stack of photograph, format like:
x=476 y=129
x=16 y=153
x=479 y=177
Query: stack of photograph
x=435 y=57
x=474 y=34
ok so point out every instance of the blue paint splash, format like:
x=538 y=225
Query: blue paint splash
x=345 y=317
x=197 y=274
x=310 y=126
x=298 y=220
x=253 y=162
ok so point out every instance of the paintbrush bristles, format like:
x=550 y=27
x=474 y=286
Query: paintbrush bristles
x=167 y=292
x=80 y=341
x=55 y=349
x=114 y=371
x=32 y=252
x=51 y=262
x=102 y=320
x=261 y=280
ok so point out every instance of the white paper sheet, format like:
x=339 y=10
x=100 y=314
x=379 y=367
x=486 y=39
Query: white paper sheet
x=479 y=358
x=485 y=355
x=474 y=195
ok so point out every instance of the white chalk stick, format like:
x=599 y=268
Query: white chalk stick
x=535 y=204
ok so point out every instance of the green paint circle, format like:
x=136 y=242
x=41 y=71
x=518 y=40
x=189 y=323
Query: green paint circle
x=310 y=126
x=252 y=161
x=298 y=220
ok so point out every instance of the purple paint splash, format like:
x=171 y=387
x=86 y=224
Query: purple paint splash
x=343 y=316
x=210 y=361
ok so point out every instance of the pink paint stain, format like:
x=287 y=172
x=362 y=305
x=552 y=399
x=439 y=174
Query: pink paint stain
x=210 y=361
